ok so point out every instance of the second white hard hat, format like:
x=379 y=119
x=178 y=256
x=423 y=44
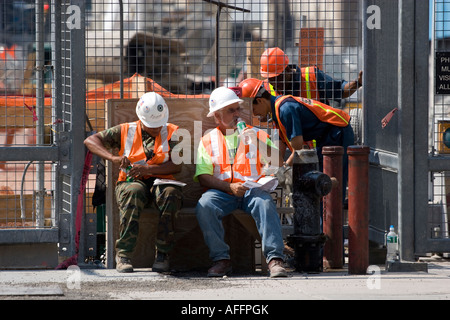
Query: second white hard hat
x=221 y=98
x=152 y=110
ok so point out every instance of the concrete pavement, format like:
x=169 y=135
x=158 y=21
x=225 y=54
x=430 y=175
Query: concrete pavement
x=106 y=284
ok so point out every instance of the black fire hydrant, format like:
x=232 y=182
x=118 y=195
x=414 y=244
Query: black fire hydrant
x=309 y=186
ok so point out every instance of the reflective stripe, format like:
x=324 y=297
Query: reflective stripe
x=308 y=85
x=221 y=164
x=332 y=111
x=215 y=148
x=272 y=90
x=130 y=137
x=164 y=143
x=247 y=178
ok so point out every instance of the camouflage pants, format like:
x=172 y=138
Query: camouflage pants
x=132 y=198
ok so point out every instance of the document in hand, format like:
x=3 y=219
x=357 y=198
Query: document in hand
x=267 y=183
x=168 y=181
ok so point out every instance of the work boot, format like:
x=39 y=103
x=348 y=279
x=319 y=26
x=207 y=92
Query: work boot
x=161 y=263
x=220 y=268
x=123 y=264
x=276 y=268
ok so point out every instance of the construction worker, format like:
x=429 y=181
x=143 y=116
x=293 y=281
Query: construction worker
x=299 y=120
x=308 y=82
x=144 y=155
x=224 y=164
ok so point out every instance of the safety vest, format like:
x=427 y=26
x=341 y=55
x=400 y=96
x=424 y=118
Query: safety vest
x=133 y=149
x=247 y=163
x=323 y=112
x=308 y=84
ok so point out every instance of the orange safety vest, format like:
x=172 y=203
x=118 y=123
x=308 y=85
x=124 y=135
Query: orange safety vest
x=325 y=113
x=133 y=149
x=247 y=163
x=308 y=84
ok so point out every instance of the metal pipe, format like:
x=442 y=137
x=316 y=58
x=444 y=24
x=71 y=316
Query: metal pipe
x=217 y=68
x=40 y=70
x=121 y=47
x=358 y=209
x=220 y=5
x=22 y=199
x=333 y=251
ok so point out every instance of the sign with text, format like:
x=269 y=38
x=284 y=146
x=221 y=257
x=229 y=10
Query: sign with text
x=442 y=76
x=310 y=49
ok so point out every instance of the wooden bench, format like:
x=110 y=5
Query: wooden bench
x=190 y=251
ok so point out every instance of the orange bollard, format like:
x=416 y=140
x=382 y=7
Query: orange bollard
x=358 y=209
x=333 y=251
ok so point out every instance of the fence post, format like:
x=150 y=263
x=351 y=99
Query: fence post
x=358 y=209
x=333 y=253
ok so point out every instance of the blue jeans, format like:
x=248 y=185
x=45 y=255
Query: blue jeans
x=214 y=205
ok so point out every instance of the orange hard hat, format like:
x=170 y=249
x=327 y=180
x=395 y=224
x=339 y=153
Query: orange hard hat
x=250 y=87
x=273 y=62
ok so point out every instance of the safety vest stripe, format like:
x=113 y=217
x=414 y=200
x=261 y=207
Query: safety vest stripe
x=332 y=111
x=165 y=143
x=215 y=148
x=221 y=165
x=130 y=137
x=307 y=83
x=253 y=177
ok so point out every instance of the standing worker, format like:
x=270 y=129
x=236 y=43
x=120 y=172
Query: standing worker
x=308 y=82
x=144 y=155
x=300 y=120
x=225 y=161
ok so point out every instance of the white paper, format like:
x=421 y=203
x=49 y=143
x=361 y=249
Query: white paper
x=168 y=181
x=265 y=183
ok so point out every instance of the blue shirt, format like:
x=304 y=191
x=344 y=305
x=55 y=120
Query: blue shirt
x=329 y=88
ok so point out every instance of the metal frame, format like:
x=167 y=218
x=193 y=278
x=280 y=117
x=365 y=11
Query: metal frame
x=69 y=105
x=400 y=151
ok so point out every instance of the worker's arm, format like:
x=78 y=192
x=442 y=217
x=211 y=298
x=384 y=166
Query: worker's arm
x=351 y=87
x=296 y=143
x=95 y=144
x=211 y=182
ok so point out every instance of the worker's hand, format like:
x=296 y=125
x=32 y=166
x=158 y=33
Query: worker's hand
x=360 y=79
x=123 y=162
x=139 y=171
x=238 y=189
x=249 y=136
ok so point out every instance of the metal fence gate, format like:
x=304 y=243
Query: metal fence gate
x=409 y=164
x=438 y=222
x=185 y=48
x=42 y=129
x=61 y=61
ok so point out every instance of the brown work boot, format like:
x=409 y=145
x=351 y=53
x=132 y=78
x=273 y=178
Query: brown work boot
x=123 y=264
x=220 y=268
x=161 y=263
x=276 y=268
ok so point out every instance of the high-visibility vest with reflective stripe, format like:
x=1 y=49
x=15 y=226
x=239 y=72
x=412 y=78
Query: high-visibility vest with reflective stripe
x=323 y=112
x=133 y=149
x=308 y=87
x=309 y=84
x=246 y=164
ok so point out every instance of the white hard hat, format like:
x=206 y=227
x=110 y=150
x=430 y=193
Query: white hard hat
x=221 y=98
x=152 y=110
